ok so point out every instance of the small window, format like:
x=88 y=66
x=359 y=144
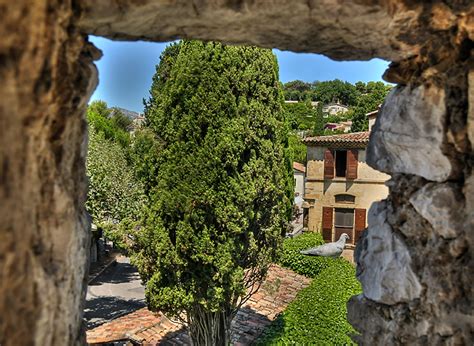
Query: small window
x=343 y=198
x=344 y=218
x=341 y=163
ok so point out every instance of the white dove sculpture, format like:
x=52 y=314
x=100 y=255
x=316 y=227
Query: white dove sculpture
x=328 y=250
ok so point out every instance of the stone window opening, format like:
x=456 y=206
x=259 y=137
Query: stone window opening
x=413 y=283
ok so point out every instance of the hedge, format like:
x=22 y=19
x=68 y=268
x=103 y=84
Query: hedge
x=291 y=258
x=318 y=314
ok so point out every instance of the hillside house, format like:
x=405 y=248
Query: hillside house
x=344 y=126
x=334 y=108
x=340 y=186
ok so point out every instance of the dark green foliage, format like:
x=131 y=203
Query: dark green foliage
x=335 y=91
x=375 y=93
x=305 y=265
x=222 y=188
x=297 y=90
x=144 y=152
x=360 y=122
x=162 y=74
x=318 y=129
x=318 y=314
x=300 y=115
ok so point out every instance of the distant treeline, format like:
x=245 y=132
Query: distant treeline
x=360 y=97
x=333 y=91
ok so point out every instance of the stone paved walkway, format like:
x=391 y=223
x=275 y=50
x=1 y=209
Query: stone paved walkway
x=148 y=328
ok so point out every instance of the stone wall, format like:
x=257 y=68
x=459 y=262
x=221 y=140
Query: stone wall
x=415 y=262
x=47 y=76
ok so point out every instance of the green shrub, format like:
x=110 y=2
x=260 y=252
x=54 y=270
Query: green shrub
x=318 y=314
x=305 y=265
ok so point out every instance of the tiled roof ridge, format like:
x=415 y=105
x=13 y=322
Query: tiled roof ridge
x=358 y=137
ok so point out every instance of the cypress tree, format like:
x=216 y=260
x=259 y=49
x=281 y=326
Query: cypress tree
x=223 y=186
x=319 y=122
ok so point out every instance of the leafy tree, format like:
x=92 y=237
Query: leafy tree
x=113 y=193
x=297 y=148
x=376 y=93
x=300 y=115
x=120 y=120
x=99 y=108
x=361 y=87
x=297 y=90
x=335 y=91
x=144 y=151
x=98 y=116
x=223 y=185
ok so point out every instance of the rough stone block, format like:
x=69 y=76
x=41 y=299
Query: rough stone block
x=384 y=263
x=442 y=206
x=408 y=135
x=470 y=118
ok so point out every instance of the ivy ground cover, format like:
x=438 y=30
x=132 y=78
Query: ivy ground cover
x=318 y=314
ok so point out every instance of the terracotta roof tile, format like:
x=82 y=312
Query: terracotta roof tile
x=352 y=140
x=299 y=167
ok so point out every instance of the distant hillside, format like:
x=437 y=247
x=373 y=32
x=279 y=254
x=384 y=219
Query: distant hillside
x=129 y=114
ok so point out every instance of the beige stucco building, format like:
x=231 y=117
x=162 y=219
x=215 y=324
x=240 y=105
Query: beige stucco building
x=340 y=186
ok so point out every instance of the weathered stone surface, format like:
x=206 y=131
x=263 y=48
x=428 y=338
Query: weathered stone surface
x=384 y=262
x=470 y=116
x=47 y=77
x=408 y=136
x=338 y=29
x=443 y=206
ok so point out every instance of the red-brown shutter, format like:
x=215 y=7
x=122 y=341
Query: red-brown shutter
x=351 y=169
x=327 y=224
x=360 y=215
x=328 y=164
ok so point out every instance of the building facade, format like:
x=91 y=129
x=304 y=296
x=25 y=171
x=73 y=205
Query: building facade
x=340 y=186
x=299 y=171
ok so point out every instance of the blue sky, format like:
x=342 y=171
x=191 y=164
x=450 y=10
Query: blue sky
x=126 y=69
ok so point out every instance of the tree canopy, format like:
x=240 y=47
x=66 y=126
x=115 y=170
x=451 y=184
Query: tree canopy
x=223 y=187
x=361 y=98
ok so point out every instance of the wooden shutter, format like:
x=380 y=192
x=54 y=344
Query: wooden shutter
x=359 y=224
x=327 y=224
x=328 y=164
x=351 y=168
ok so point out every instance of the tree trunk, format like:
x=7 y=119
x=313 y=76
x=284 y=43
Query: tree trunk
x=210 y=328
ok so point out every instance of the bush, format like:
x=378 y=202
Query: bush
x=318 y=314
x=309 y=266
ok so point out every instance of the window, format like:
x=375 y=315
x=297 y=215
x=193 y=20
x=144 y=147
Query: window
x=343 y=198
x=344 y=218
x=341 y=163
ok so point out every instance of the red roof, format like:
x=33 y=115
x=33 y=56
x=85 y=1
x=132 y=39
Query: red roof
x=349 y=140
x=299 y=167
